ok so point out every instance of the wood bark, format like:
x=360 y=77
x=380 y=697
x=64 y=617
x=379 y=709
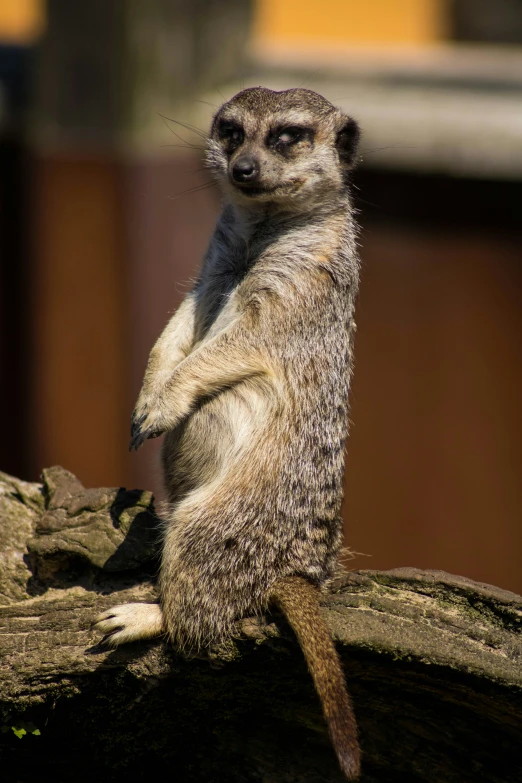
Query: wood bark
x=433 y=662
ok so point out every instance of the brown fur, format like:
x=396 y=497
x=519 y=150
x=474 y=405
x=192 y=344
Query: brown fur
x=249 y=382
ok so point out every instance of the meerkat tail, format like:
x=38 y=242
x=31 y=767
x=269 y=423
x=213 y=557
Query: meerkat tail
x=299 y=602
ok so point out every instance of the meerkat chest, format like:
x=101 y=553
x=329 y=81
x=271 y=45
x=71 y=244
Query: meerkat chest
x=229 y=262
x=218 y=304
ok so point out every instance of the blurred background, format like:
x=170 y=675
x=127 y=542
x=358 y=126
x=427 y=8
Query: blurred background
x=105 y=214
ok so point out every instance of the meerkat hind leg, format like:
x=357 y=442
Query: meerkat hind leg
x=130 y=622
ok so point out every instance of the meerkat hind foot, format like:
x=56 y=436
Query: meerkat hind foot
x=130 y=622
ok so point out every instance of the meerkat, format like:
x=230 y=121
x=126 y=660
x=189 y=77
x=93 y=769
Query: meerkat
x=249 y=383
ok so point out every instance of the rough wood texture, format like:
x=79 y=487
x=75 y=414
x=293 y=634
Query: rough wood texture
x=433 y=662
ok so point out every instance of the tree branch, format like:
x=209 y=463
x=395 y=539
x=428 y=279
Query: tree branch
x=433 y=662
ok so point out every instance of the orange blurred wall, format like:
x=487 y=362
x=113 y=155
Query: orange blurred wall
x=413 y=22
x=21 y=21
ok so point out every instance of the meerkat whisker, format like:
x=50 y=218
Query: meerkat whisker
x=186 y=125
x=185 y=146
x=195 y=189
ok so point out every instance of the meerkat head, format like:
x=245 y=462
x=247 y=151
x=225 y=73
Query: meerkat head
x=290 y=149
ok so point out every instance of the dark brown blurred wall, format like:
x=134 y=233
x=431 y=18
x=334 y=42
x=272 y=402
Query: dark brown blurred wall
x=115 y=250
x=435 y=454
x=80 y=377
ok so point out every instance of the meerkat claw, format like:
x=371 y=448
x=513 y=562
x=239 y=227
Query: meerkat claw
x=136 y=442
x=136 y=433
x=139 y=436
x=137 y=421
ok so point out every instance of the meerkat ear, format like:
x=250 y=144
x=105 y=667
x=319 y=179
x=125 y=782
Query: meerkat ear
x=347 y=142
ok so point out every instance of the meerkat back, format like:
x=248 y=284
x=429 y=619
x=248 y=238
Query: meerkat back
x=249 y=383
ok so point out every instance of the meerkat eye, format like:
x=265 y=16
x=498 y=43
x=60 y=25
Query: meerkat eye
x=290 y=136
x=231 y=133
x=285 y=137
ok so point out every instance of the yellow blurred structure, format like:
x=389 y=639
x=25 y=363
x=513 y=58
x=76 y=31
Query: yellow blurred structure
x=359 y=22
x=21 y=21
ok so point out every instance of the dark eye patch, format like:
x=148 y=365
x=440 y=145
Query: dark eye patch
x=231 y=133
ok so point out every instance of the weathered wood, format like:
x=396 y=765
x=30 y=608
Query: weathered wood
x=434 y=663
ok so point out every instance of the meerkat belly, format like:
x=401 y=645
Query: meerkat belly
x=213 y=439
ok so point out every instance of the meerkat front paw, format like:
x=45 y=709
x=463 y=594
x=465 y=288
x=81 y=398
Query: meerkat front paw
x=129 y=622
x=142 y=429
x=153 y=417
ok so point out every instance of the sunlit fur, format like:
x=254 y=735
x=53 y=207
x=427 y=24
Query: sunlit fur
x=250 y=382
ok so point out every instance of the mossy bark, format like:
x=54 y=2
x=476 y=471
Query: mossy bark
x=433 y=661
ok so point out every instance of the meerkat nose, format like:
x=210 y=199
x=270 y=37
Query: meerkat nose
x=245 y=169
